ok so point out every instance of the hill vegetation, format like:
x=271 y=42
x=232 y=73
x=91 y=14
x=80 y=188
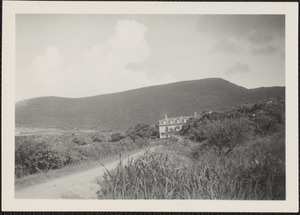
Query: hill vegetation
x=145 y=105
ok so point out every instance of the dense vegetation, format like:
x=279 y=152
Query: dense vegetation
x=37 y=153
x=230 y=127
x=237 y=153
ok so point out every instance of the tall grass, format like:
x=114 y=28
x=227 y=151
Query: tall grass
x=252 y=172
x=150 y=177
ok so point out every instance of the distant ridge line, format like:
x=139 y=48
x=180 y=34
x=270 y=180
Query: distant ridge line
x=121 y=110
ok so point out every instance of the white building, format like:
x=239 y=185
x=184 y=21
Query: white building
x=169 y=125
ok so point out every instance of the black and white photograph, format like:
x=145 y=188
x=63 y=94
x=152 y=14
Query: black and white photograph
x=153 y=106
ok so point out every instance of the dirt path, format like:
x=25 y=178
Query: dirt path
x=81 y=185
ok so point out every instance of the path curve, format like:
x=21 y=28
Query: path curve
x=81 y=185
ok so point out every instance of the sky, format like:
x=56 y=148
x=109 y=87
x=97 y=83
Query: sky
x=85 y=55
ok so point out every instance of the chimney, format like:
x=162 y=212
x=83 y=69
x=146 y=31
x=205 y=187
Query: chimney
x=195 y=115
x=166 y=116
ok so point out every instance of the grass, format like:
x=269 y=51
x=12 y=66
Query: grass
x=254 y=171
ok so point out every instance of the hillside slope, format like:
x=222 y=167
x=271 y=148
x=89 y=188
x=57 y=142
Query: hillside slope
x=148 y=105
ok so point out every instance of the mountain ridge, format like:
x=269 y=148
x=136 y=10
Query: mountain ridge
x=121 y=110
x=179 y=82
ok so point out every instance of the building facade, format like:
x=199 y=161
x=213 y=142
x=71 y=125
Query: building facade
x=170 y=125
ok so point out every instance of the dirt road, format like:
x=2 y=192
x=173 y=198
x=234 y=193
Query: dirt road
x=81 y=185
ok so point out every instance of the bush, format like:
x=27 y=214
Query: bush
x=97 y=138
x=195 y=129
x=265 y=118
x=34 y=156
x=227 y=133
x=79 y=141
x=117 y=136
x=270 y=118
x=142 y=131
x=264 y=124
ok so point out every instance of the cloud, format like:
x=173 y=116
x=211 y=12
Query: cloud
x=260 y=37
x=150 y=64
x=226 y=46
x=49 y=59
x=107 y=67
x=106 y=64
x=46 y=67
x=249 y=32
x=127 y=45
x=242 y=26
x=103 y=68
x=238 y=68
x=43 y=75
x=266 y=50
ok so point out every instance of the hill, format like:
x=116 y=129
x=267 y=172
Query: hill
x=148 y=105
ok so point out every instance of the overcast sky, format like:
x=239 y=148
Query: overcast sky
x=86 y=55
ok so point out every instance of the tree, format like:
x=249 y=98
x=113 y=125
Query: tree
x=154 y=132
x=142 y=131
x=228 y=133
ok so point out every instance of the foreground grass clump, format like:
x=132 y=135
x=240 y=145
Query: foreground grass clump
x=253 y=171
x=151 y=177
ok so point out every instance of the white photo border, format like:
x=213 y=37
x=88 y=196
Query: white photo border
x=11 y=8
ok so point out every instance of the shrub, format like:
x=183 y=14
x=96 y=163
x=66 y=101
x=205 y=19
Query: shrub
x=197 y=134
x=97 y=138
x=142 y=131
x=154 y=132
x=195 y=128
x=270 y=118
x=35 y=156
x=79 y=141
x=117 y=136
x=265 y=116
x=264 y=124
x=227 y=133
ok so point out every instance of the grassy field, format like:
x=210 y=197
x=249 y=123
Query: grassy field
x=230 y=154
